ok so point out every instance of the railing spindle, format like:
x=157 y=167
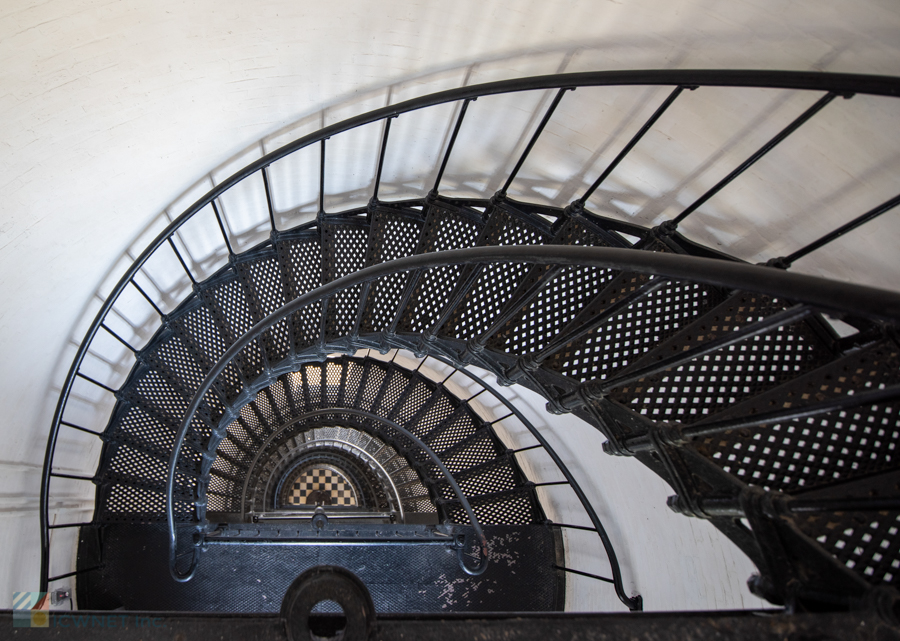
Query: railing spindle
x=322 y=178
x=269 y=203
x=81 y=429
x=843 y=229
x=762 y=151
x=222 y=227
x=181 y=260
x=97 y=383
x=384 y=141
x=119 y=338
x=579 y=572
x=67 y=575
x=459 y=120
x=149 y=300
x=634 y=140
x=534 y=138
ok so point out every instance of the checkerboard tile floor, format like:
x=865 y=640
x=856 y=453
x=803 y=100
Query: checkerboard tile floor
x=325 y=480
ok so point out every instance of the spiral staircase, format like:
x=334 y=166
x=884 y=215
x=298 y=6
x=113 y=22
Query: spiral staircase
x=329 y=346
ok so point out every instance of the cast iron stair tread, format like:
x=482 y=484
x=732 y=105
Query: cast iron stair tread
x=497 y=283
x=631 y=332
x=445 y=228
x=486 y=478
x=393 y=234
x=480 y=447
x=557 y=304
x=831 y=449
x=265 y=289
x=709 y=384
x=344 y=248
x=735 y=310
x=302 y=270
x=863 y=541
x=518 y=506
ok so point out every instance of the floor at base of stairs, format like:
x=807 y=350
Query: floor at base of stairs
x=253 y=578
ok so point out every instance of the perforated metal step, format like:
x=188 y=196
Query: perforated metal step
x=801 y=360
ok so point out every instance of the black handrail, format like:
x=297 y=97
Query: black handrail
x=796 y=80
x=634 y=603
x=810 y=290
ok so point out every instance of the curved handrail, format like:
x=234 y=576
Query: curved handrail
x=633 y=602
x=797 y=80
x=811 y=290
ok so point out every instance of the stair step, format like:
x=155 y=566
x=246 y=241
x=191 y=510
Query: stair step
x=497 y=283
x=344 y=247
x=393 y=234
x=511 y=507
x=459 y=425
x=446 y=228
x=231 y=313
x=302 y=271
x=497 y=475
x=433 y=412
x=863 y=541
x=707 y=385
x=478 y=448
x=633 y=331
x=828 y=449
x=543 y=318
x=133 y=504
x=266 y=290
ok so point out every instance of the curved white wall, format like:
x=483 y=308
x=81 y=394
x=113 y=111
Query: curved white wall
x=113 y=113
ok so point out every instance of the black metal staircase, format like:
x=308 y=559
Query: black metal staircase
x=726 y=379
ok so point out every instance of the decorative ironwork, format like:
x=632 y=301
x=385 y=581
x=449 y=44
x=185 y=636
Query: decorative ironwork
x=724 y=378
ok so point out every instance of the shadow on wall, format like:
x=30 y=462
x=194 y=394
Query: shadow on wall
x=702 y=137
x=587 y=131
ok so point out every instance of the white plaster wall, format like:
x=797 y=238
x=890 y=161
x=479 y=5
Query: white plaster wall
x=112 y=113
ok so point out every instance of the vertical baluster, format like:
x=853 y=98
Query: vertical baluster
x=384 y=141
x=631 y=143
x=221 y=227
x=181 y=260
x=837 y=233
x=534 y=139
x=762 y=151
x=322 y=178
x=459 y=121
x=271 y=206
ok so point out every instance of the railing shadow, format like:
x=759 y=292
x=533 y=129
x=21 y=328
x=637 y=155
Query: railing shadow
x=170 y=292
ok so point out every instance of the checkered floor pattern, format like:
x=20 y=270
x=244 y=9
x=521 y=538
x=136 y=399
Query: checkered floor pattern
x=325 y=480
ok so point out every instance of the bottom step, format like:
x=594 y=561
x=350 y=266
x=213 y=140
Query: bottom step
x=252 y=576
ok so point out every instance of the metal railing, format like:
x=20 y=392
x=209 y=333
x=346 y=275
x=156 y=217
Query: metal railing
x=821 y=293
